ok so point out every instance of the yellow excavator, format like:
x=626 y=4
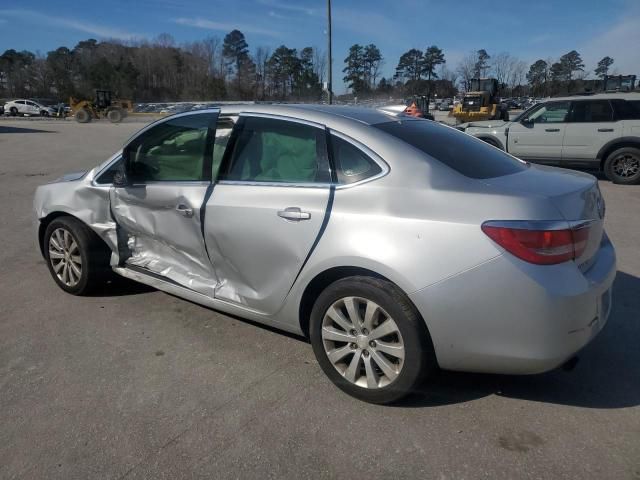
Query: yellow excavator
x=104 y=105
x=481 y=102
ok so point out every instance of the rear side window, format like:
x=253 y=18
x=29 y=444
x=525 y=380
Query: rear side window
x=465 y=154
x=591 y=111
x=270 y=150
x=626 y=110
x=352 y=164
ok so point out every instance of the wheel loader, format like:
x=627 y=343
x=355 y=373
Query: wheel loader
x=103 y=106
x=481 y=102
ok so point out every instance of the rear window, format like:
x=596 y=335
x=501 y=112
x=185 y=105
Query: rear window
x=465 y=154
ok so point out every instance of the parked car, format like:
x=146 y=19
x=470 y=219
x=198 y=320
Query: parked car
x=598 y=132
x=27 y=107
x=397 y=244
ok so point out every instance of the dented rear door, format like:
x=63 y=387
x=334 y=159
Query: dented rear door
x=159 y=212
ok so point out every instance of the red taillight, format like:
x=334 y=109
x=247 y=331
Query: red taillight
x=539 y=245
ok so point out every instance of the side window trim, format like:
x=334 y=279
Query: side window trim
x=231 y=145
x=384 y=166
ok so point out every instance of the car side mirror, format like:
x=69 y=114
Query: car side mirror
x=527 y=122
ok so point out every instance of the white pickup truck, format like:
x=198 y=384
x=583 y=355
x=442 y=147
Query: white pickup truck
x=598 y=132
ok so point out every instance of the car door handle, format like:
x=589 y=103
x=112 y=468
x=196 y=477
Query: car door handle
x=182 y=209
x=605 y=129
x=551 y=129
x=294 y=214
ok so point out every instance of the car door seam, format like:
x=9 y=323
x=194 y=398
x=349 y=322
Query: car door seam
x=323 y=227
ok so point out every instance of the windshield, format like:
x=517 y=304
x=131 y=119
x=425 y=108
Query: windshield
x=463 y=153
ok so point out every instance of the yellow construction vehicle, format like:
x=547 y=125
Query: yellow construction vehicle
x=481 y=102
x=104 y=105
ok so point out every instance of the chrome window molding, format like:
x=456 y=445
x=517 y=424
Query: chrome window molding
x=170 y=117
x=275 y=184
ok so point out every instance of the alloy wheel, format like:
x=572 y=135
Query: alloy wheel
x=65 y=258
x=626 y=165
x=363 y=342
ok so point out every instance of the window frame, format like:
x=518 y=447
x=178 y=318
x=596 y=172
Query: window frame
x=230 y=148
x=612 y=118
x=207 y=153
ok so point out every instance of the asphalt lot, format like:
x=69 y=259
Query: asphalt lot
x=135 y=383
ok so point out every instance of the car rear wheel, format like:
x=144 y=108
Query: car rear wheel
x=77 y=259
x=623 y=166
x=370 y=340
x=13 y=111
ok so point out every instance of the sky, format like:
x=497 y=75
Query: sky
x=528 y=29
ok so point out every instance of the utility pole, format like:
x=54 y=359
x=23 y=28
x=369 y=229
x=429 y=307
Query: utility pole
x=329 y=59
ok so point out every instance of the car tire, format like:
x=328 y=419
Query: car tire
x=44 y=113
x=13 y=111
x=77 y=258
x=622 y=166
x=375 y=384
x=115 y=115
x=83 y=116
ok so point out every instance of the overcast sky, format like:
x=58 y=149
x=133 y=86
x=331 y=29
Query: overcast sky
x=529 y=29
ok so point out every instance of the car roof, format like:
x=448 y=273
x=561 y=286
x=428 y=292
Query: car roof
x=599 y=96
x=315 y=113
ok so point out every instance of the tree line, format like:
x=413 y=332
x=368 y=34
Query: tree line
x=215 y=69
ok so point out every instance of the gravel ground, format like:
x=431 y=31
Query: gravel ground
x=135 y=383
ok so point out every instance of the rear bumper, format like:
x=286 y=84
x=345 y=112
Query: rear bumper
x=511 y=317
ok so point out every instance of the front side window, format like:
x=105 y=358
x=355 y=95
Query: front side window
x=586 y=111
x=352 y=164
x=552 y=112
x=173 y=150
x=272 y=150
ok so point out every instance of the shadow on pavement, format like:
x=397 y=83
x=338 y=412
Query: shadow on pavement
x=607 y=375
x=6 y=129
x=117 y=286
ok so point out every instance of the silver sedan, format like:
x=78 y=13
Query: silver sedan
x=397 y=245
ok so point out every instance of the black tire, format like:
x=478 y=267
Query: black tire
x=115 y=115
x=94 y=254
x=419 y=360
x=13 y=111
x=44 y=113
x=83 y=116
x=622 y=166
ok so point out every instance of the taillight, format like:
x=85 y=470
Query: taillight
x=539 y=242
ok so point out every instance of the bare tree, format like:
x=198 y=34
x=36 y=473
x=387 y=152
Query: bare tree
x=466 y=69
x=319 y=64
x=261 y=58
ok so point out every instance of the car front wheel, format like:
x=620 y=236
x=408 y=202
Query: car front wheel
x=77 y=259
x=370 y=340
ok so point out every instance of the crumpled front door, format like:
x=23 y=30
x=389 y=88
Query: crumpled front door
x=157 y=210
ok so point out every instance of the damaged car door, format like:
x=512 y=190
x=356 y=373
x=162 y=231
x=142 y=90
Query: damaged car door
x=267 y=209
x=157 y=202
